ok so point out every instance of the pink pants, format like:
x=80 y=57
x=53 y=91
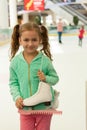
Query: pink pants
x=35 y=122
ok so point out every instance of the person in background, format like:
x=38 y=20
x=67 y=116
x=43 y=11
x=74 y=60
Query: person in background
x=81 y=35
x=60 y=30
x=25 y=73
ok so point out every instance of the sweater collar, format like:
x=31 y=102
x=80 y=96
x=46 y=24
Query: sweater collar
x=39 y=55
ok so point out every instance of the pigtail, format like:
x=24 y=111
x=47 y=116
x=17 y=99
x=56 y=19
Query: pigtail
x=45 y=43
x=15 y=41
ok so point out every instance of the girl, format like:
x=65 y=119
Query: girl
x=81 y=33
x=25 y=72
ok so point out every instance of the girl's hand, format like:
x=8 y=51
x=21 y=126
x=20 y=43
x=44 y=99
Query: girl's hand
x=19 y=103
x=41 y=76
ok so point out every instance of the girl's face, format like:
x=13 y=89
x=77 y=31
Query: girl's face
x=30 y=41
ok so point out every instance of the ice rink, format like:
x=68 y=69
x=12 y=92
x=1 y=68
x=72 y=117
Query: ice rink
x=70 y=61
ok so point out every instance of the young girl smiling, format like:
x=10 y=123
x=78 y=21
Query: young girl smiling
x=25 y=72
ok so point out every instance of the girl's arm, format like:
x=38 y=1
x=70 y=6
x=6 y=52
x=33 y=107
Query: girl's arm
x=51 y=76
x=14 y=85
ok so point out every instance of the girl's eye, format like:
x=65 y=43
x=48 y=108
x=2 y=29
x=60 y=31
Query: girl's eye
x=34 y=39
x=26 y=40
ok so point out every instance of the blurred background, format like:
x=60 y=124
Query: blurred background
x=48 y=12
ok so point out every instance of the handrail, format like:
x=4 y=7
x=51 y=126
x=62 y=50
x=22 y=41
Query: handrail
x=71 y=8
x=74 y=12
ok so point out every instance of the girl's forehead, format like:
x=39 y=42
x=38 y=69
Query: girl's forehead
x=30 y=32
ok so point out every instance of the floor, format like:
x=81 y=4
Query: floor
x=70 y=61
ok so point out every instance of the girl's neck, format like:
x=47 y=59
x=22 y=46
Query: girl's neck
x=30 y=57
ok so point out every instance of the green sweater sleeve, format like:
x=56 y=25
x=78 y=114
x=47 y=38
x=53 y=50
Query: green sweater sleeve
x=14 y=85
x=51 y=77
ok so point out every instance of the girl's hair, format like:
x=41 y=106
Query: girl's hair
x=15 y=40
x=42 y=32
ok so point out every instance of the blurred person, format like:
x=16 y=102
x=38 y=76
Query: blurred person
x=81 y=35
x=60 y=30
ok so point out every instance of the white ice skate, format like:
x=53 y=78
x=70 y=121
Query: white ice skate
x=42 y=95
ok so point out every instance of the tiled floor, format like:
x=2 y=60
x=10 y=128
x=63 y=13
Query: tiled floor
x=70 y=61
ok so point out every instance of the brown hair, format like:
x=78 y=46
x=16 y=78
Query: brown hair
x=15 y=40
x=42 y=32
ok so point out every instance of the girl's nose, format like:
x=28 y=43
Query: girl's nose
x=30 y=43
